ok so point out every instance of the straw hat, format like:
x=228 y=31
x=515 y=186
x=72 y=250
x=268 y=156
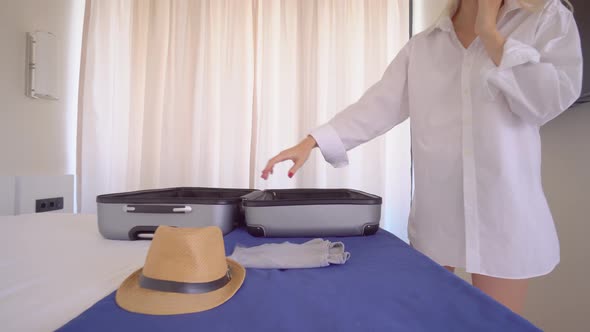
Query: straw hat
x=185 y=271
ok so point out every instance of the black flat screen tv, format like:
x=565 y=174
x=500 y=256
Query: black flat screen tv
x=582 y=15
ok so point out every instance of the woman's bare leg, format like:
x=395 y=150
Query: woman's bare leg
x=509 y=292
x=450 y=268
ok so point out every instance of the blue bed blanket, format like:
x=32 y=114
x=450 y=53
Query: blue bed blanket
x=385 y=286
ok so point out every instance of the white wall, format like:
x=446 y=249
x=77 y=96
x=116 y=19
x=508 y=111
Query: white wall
x=7 y=195
x=18 y=194
x=38 y=136
x=28 y=189
x=561 y=300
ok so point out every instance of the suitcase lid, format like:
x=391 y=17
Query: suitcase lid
x=180 y=195
x=288 y=197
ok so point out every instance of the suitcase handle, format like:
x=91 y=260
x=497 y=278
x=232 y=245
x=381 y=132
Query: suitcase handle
x=142 y=232
x=145 y=208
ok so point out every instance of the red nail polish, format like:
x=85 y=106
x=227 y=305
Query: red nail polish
x=291 y=174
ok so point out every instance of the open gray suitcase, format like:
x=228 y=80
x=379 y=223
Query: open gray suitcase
x=312 y=213
x=136 y=215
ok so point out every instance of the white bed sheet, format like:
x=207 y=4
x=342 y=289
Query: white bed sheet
x=54 y=266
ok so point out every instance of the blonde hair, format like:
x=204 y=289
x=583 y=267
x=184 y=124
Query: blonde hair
x=532 y=5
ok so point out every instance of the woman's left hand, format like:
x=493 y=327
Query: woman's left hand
x=487 y=16
x=487 y=30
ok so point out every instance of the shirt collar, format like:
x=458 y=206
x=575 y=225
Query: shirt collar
x=444 y=22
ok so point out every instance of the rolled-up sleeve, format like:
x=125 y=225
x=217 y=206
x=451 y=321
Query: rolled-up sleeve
x=541 y=80
x=381 y=107
x=331 y=146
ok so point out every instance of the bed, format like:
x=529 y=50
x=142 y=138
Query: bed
x=57 y=272
x=54 y=266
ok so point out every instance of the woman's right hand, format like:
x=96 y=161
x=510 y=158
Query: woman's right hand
x=298 y=154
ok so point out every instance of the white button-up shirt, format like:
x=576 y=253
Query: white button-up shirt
x=478 y=201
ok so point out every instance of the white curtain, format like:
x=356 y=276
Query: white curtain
x=203 y=93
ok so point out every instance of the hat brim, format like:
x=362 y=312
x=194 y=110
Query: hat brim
x=131 y=297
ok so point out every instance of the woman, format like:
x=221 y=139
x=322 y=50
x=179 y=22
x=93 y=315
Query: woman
x=477 y=86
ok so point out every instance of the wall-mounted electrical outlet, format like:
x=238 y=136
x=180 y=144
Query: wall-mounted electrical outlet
x=49 y=204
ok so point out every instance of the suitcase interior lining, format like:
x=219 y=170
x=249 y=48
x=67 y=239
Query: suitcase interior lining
x=310 y=197
x=177 y=195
